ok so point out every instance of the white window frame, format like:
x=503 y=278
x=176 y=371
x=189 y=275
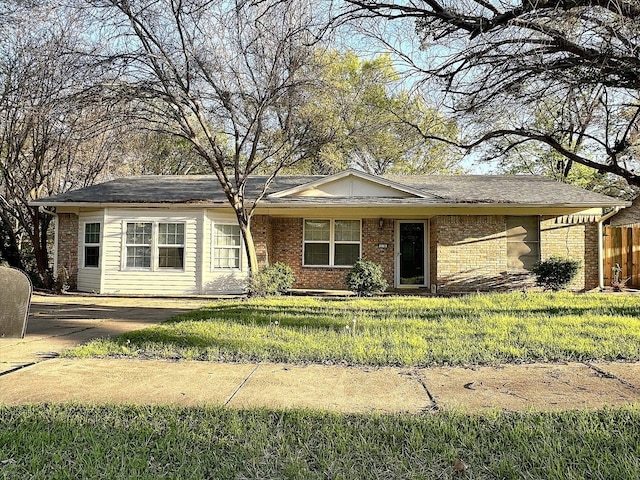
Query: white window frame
x=127 y=245
x=238 y=247
x=332 y=241
x=170 y=245
x=86 y=244
x=154 y=246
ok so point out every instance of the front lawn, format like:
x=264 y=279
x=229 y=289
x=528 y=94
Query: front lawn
x=72 y=441
x=404 y=331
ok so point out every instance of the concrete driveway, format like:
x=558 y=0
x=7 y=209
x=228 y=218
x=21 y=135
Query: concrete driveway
x=57 y=322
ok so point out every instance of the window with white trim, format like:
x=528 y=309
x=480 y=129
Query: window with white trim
x=92 y=245
x=227 y=243
x=138 y=245
x=154 y=245
x=171 y=245
x=331 y=242
x=346 y=237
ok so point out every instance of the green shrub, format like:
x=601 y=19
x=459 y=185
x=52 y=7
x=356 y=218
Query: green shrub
x=555 y=273
x=275 y=279
x=366 y=278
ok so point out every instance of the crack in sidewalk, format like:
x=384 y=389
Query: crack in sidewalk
x=235 y=392
x=434 y=404
x=17 y=367
x=42 y=356
x=610 y=375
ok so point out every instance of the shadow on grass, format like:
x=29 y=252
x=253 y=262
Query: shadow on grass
x=406 y=329
x=336 y=317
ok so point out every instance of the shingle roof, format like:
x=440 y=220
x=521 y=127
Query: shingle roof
x=628 y=216
x=167 y=189
x=529 y=189
x=454 y=189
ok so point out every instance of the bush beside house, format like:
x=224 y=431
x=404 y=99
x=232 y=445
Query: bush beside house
x=555 y=273
x=275 y=279
x=366 y=278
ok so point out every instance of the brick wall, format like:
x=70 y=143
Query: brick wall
x=470 y=253
x=68 y=247
x=261 y=232
x=591 y=258
x=467 y=253
x=373 y=239
x=579 y=242
x=433 y=251
x=286 y=247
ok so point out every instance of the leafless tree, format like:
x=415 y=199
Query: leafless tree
x=500 y=62
x=51 y=137
x=227 y=77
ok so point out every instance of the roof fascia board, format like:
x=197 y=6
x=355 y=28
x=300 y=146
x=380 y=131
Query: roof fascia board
x=128 y=205
x=441 y=205
x=266 y=204
x=350 y=172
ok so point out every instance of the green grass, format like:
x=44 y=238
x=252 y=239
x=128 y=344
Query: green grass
x=407 y=331
x=72 y=441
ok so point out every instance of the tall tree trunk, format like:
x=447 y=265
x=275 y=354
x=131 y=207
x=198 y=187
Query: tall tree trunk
x=39 y=239
x=244 y=221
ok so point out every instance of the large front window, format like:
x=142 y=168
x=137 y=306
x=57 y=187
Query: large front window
x=226 y=246
x=166 y=239
x=331 y=242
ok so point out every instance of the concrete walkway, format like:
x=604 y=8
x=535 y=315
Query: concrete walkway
x=58 y=322
x=31 y=372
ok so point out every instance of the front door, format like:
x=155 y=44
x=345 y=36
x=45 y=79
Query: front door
x=411 y=265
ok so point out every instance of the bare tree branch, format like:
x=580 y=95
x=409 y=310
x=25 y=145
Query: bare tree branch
x=226 y=73
x=503 y=60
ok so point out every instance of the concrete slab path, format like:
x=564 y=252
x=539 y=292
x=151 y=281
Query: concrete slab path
x=30 y=372
x=58 y=322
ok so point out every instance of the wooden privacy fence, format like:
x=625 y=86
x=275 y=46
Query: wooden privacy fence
x=622 y=247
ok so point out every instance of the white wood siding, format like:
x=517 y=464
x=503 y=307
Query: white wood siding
x=353 y=187
x=118 y=279
x=222 y=280
x=197 y=276
x=89 y=277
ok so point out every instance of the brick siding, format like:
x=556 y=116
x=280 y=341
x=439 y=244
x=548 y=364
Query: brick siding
x=286 y=247
x=579 y=242
x=469 y=253
x=262 y=238
x=373 y=240
x=68 y=247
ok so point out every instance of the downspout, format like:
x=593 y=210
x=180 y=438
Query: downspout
x=55 y=239
x=601 y=220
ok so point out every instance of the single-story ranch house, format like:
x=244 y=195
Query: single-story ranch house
x=177 y=235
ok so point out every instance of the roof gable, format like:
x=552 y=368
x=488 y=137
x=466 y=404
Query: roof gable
x=352 y=183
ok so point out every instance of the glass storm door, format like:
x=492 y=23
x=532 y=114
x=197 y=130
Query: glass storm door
x=411 y=247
